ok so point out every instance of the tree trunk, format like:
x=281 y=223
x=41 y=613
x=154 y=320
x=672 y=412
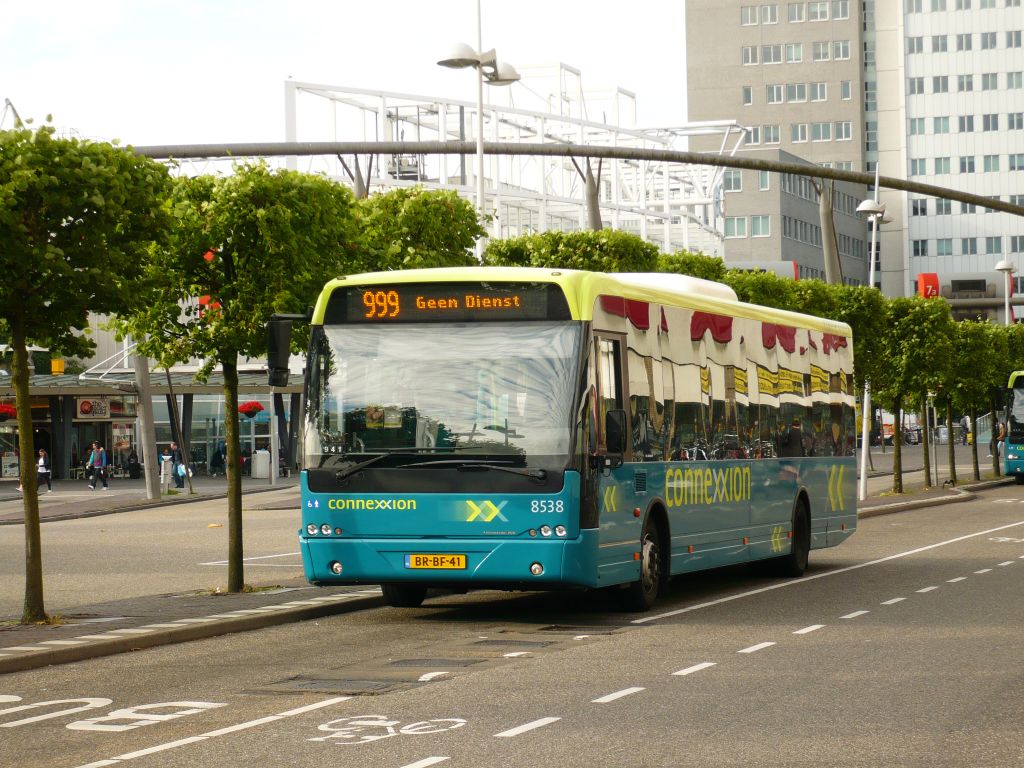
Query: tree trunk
x=897 y=449
x=232 y=446
x=926 y=434
x=33 y=609
x=974 y=443
x=951 y=444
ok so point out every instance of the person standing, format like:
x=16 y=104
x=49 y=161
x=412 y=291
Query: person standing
x=43 y=471
x=178 y=468
x=97 y=464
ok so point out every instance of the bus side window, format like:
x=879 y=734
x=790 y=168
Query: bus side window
x=609 y=382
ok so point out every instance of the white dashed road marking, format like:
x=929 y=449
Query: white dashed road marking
x=694 y=668
x=756 y=648
x=616 y=695
x=854 y=615
x=806 y=630
x=893 y=601
x=528 y=727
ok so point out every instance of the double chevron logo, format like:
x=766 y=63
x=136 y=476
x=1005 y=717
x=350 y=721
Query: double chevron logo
x=835 y=487
x=610 y=502
x=485 y=511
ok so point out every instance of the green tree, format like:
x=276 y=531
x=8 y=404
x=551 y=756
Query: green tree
x=76 y=221
x=764 y=288
x=916 y=349
x=246 y=246
x=602 y=251
x=408 y=228
x=693 y=264
x=975 y=366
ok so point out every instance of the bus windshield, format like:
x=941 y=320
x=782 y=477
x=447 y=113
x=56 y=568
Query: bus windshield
x=1015 y=411
x=437 y=391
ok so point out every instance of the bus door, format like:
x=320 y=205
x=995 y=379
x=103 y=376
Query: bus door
x=619 y=529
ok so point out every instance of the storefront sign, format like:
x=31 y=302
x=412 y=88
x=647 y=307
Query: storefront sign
x=93 y=408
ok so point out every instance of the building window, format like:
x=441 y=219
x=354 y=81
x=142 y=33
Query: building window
x=1017 y=161
x=969 y=246
x=771 y=134
x=991 y=164
x=869 y=53
x=915 y=85
x=918 y=166
x=963 y=5
x=963 y=41
x=965 y=82
x=764 y=180
x=748 y=15
x=821 y=131
x=989 y=81
x=919 y=207
x=988 y=41
x=845 y=90
x=915 y=126
x=913 y=6
x=938 y=5
x=773 y=94
x=747 y=95
x=797 y=13
x=941 y=165
x=1013 y=39
x=769 y=14
x=753 y=135
x=732 y=180
x=940 y=124
x=944 y=246
x=735 y=226
x=965 y=123
x=940 y=44
x=940 y=84
x=820 y=51
x=990 y=122
x=817 y=11
x=771 y=54
x=915 y=45
x=986 y=4
x=993 y=245
x=760 y=226
x=819 y=92
x=841 y=49
x=1016 y=243
x=871 y=135
x=1015 y=79
x=794 y=53
x=844 y=131
x=840 y=9
x=967 y=164
x=943 y=207
x=798 y=132
x=1015 y=121
x=968 y=208
x=796 y=92
x=920 y=247
x=748 y=55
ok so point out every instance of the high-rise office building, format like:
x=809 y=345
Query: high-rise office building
x=933 y=90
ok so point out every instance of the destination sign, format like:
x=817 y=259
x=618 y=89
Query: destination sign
x=446 y=302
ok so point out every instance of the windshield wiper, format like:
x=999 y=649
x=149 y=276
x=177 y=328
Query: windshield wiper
x=465 y=465
x=341 y=474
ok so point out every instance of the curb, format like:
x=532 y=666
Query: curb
x=957 y=495
x=52 y=652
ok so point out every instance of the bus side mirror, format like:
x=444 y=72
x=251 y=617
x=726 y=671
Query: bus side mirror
x=279 y=342
x=615 y=431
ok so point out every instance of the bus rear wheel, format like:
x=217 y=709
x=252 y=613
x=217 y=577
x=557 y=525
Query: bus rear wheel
x=403 y=595
x=641 y=594
x=795 y=563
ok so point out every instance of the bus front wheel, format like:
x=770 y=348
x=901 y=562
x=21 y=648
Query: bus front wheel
x=403 y=595
x=795 y=563
x=641 y=594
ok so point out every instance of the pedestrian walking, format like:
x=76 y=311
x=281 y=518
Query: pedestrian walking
x=97 y=464
x=178 y=468
x=43 y=471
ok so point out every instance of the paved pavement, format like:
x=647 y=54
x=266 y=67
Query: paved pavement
x=120 y=625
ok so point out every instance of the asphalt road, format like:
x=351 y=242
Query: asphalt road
x=900 y=648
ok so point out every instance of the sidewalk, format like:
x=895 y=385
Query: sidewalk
x=117 y=626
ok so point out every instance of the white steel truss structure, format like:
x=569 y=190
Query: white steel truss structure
x=674 y=205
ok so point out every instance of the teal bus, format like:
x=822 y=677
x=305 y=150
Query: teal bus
x=538 y=429
x=1013 y=447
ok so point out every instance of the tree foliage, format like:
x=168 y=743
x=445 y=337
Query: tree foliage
x=693 y=264
x=606 y=250
x=77 y=219
x=409 y=228
x=246 y=246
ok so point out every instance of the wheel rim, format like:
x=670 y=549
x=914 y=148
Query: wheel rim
x=650 y=570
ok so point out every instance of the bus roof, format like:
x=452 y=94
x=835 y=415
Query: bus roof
x=1014 y=378
x=582 y=288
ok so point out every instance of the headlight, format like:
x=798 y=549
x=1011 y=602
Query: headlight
x=545 y=530
x=325 y=529
x=311 y=529
x=560 y=530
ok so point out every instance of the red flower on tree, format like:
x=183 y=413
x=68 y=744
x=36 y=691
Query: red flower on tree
x=250 y=408
x=8 y=411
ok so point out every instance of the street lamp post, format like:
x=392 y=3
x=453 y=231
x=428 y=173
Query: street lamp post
x=487 y=68
x=1007 y=268
x=876 y=214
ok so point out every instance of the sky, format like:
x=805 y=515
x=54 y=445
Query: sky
x=148 y=72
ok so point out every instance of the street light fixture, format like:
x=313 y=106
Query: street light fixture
x=1007 y=268
x=495 y=73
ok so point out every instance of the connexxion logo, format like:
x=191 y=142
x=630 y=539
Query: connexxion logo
x=371 y=504
x=485 y=511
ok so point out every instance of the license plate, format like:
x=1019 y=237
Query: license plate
x=446 y=562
